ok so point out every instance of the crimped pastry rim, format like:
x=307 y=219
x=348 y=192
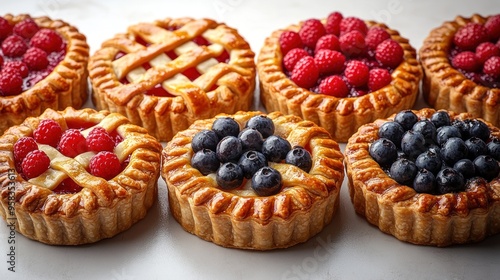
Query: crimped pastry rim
x=324 y=109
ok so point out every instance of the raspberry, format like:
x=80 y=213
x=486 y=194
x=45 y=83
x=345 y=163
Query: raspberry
x=72 y=143
x=1 y=61
x=335 y=86
x=389 y=53
x=23 y=146
x=10 y=84
x=486 y=50
x=466 y=61
x=99 y=140
x=289 y=40
x=26 y=28
x=16 y=67
x=36 y=59
x=349 y=24
x=352 y=43
x=329 y=62
x=492 y=66
x=470 y=36
x=48 y=132
x=35 y=163
x=306 y=73
x=375 y=36
x=378 y=78
x=311 y=31
x=47 y=40
x=292 y=57
x=105 y=164
x=356 y=73
x=5 y=28
x=329 y=41
x=14 y=46
x=492 y=26
x=332 y=25
x=67 y=186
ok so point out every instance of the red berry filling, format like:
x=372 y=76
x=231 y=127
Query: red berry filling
x=345 y=50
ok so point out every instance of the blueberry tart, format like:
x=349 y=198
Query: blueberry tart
x=253 y=181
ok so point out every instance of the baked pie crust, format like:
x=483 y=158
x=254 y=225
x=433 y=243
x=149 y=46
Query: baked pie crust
x=341 y=117
x=241 y=219
x=444 y=87
x=222 y=87
x=66 y=86
x=102 y=208
x=419 y=218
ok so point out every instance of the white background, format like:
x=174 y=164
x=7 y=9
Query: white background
x=158 y=248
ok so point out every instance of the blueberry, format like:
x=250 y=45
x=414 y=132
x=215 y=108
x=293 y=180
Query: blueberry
x=229 y=176
x=205 y=139
x=392 y=131
x=299 y=157
x=494 y=148
x=263 y=124
x=466 y=167
x=425 y=182
x=453 y=150
x=229 y=149
x=383 y=151
x=449 y=180
x=250 y=162
x=476 y=147
x=486 y=167
x=463 y=127
x=275 y=148
x=429 y=160
x=403 y=171
x=479 y=129
x=225 y=126
x=441 y=118
x=406 y=119
x=205 y=161
x=446 y=132
x=251 y=139
x=428 y=130
x=266 y=181
x=413 y=144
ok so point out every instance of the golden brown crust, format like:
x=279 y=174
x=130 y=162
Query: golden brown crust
x=165 y=116
x=341 y=117
x=444 y=87
x=66 y=86
x=241 y=219
x=420 y=218
x=102 y=208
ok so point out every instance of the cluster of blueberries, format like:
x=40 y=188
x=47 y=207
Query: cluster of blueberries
x=436 y=155
x=234 y=154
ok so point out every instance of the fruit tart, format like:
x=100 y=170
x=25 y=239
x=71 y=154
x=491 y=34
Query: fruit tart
x=166 y=74
x=253 y=181
x=340 y=72
x=461 y=62
x=77 y=176
x=43 y=64
x=427 y=177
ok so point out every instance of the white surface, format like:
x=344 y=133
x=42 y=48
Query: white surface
x=158 y=248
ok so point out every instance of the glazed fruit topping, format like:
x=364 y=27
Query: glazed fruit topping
x=476 y=52
x=105 y=164
x=344 y=48
x=236 y=156
x=436 y=155
x=35 y=163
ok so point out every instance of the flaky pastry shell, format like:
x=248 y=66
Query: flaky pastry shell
x=444 y=87
x=66 y=86
x=234 y=81
x=341 y=117
x=241 y=219
x=419 y=218
x=102 y=208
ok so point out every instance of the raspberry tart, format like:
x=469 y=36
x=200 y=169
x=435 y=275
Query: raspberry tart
x=166 y=74
x=461 y=62
x=340 y=72
x=77 y=176
x=253 y=181
x=43 y=64
x=427 y=177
